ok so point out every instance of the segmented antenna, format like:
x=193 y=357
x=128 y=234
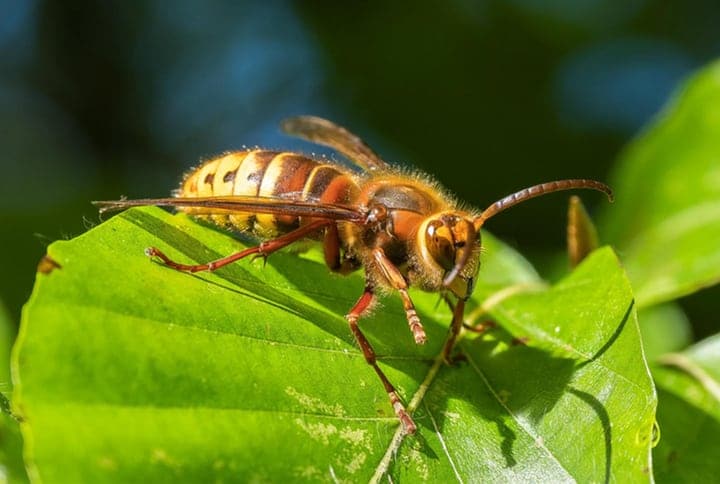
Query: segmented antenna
x=536 y=191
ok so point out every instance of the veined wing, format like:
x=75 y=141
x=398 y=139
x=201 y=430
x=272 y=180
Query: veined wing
x=324 y=132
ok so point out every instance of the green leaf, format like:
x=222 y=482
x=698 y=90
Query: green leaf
x=12 y=468
x=665 y=329
x=7 y=335
x=128 y=370
x=689 y=414
x=666 y=218
x=11 y=464
x=577 y=403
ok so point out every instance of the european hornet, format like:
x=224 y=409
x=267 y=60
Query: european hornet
x=402 y=228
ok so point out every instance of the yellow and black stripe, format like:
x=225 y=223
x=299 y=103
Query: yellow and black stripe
x=263 y=173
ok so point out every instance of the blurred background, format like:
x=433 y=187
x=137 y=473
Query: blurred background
x=103 y=99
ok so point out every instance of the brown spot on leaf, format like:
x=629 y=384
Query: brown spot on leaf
x=47 y=264
x=521 y=341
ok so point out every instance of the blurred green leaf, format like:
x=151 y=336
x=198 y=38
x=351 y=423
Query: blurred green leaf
x=666 y=220
x=7 y=334
x=665 y=328
x=689 y=414
x=128 y=370
x=12 y=468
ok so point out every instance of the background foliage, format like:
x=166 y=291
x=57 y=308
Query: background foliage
x=102 y=100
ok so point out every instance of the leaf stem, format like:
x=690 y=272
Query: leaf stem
x=685 y=364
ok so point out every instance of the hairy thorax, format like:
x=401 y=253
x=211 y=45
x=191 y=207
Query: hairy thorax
x=401 y=205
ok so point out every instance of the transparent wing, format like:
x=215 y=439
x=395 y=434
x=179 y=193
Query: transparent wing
x=324 y=132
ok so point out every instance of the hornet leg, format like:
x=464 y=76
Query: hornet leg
x=398 y=282
x=331 y=250
x=455 y=327
x=352 y=317
x=263 y=250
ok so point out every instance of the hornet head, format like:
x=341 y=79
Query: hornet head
x=448 y=253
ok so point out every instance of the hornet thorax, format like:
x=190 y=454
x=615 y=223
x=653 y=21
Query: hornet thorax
x=423 y=234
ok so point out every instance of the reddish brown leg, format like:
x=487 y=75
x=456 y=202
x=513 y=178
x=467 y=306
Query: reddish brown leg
x=397 y=281
x=480 y=327
x=263 y=250
x=353 y=316
x=455 y=326
x=331 y=250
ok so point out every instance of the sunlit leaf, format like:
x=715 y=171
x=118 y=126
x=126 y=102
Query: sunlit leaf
x=666 y=218
x=129 y=371
x=572 y=403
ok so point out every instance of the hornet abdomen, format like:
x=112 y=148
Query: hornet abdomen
x=263 y=173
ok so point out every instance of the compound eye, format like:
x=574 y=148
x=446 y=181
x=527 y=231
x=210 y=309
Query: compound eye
x=439 y=242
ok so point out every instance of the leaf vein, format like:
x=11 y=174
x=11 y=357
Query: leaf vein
x=209 y=408
x=442 y=443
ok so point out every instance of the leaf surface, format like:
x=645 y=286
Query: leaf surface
x=11 y=464
x=665 y=329
x=666 y=218
x=127 y=370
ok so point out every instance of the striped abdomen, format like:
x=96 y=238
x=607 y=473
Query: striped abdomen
x=266 y=174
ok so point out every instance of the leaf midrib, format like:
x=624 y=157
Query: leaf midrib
x=179 y=408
